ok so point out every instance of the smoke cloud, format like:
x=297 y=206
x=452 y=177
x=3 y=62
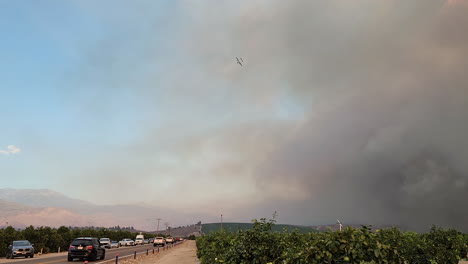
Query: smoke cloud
x=354 y=110
x=382 y=92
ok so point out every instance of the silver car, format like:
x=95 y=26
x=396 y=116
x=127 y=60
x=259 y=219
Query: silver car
x=114 y=244
x=126 y=242
x=20 y=248
x=105 y=242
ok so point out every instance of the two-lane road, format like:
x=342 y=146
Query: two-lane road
x=61 y=258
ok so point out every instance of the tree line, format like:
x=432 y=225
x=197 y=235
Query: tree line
x=50 y=239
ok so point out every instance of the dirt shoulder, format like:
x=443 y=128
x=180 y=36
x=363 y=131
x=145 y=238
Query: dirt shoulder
x=185 y=253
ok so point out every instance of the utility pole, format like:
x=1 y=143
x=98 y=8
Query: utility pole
x=159 y=219
x=167 y=227
x=221 y=221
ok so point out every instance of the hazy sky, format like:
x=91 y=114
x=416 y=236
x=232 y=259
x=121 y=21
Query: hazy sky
x=355 y=110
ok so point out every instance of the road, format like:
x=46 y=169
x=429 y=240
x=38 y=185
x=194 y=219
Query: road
x=61 y=258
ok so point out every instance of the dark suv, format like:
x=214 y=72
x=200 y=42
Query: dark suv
x=86 y=248
x=20 y=248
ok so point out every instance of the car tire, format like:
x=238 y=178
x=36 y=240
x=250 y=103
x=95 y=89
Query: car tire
x=31 y=256
x=103 y=256
x=7 y=256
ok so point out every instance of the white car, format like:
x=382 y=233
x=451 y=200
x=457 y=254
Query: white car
x=159 y=241
x=139 y=240
x=105 y=242
x=126 y=242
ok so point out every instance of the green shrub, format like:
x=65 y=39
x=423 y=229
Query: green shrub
x=260 y=245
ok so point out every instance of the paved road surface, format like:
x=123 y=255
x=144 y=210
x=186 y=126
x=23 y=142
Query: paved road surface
x=61 y=258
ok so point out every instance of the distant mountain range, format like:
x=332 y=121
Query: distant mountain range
x=41 y=198
x=43 y=207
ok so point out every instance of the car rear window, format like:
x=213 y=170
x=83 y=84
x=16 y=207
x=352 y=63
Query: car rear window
x=104 y=239
x=82 y=242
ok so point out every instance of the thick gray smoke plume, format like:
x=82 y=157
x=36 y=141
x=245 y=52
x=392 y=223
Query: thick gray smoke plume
x=349 y=109
x=383 y=90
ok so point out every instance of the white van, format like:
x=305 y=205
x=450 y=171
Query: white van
x=139 y=240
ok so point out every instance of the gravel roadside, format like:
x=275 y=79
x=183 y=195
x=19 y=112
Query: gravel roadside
x=185 y=253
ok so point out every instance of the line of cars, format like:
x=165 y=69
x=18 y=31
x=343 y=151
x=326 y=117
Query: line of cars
x=161 y=241
x=92 y=249
x=87 y=247
x=107 y=243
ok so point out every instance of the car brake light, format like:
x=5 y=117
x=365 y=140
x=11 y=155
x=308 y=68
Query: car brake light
x=71 y=247
x=89 y=247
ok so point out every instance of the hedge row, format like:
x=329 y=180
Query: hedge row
x=260 y=245
x=51 y=239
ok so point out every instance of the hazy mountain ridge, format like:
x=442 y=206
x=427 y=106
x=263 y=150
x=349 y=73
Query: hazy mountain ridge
x=8 y=208
x=41 y=198
x=43 y=207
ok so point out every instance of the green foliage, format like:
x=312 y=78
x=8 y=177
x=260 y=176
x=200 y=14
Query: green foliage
x=51 y=239
x=263 y=245
x=233 y=227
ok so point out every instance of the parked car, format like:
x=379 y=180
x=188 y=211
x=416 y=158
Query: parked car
x=20 y=248
x=86 y=248
x=114 y=244
x=159 y=241
x=146 y=241
x=126 y=242
x=105 y=242
x=151 y=240
x=169 y=240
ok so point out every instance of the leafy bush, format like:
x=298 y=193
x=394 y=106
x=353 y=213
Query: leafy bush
x=260 y=245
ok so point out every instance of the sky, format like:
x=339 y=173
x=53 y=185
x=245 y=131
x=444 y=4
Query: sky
x=343 y=109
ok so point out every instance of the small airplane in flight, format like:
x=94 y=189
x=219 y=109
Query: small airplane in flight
x=240 y=61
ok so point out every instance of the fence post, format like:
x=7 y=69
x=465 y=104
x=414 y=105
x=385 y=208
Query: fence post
x=153 y=251
x=117 y=258
x=134 y=254
x=147 y=252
